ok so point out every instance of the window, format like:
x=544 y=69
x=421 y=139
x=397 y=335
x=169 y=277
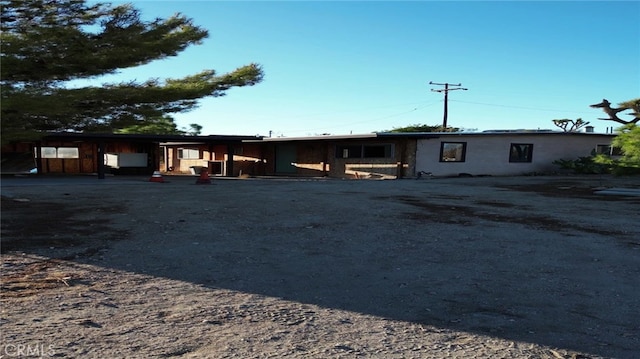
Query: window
x=364 y=151
x=188 y=154
x=49 y=152
x=616 y=151
x=376 y=151
x=453 y=151
x=603 y=149
x=608 y=150
x=520 y=152
x=349 y=151
x=68 y=152
x=59 y=152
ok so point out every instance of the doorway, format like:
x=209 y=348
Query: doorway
x=285 y=157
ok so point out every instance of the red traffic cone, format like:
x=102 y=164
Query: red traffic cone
x=204 y=177
x=156 y=177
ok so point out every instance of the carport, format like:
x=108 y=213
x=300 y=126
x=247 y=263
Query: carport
x=95 y=153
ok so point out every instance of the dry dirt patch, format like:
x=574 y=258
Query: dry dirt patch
x=34 y=224
x=64 y=231
x=438 y=268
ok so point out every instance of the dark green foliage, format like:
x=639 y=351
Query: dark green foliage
x=194 y=129
x=628 y=140
x=158 y=126
x=584 y=165
x=46 y=43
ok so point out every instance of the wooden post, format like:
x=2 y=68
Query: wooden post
x=229 y=160
x=39 y=157
x=100 y=159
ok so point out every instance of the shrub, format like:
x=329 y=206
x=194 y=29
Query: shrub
x=598 y=164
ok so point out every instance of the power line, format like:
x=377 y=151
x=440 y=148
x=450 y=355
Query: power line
x=520 y=107
x=331 y=113
x=446 y=90
x=357 y=122
x=367 y=121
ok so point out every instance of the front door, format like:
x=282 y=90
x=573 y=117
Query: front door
x=285 y=157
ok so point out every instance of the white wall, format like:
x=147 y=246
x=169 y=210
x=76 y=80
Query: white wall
x=488 y=154
x=118 y=160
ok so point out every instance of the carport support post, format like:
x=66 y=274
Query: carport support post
x=100 y=159
x=39 y=157
x=229 y=160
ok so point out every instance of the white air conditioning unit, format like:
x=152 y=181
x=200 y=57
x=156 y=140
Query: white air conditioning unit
x=217 y=168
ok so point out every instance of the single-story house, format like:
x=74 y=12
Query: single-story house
x=374 y=155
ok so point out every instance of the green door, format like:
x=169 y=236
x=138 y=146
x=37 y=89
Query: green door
x=285 y=157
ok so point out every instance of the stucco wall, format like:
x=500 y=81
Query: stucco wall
x=488 y=154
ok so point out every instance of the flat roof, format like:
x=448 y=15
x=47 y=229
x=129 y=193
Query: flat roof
x=228 y=139
x=388 y=135
x=314 y=138
x=147 y=137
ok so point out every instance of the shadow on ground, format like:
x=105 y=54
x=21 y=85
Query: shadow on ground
x=495 y=261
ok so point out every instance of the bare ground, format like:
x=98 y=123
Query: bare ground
x=506 y=267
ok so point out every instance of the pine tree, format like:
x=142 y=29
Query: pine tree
x=47 y=43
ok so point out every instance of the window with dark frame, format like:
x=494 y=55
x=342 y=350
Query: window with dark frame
x=608 y=150
x=603 y=149
x=521 y=152
x=376 y=151
x=349 y=151
x=453 y=151
x=616 y=151
x=364 y=151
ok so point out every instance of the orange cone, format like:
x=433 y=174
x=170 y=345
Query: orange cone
x=204 y=177
x=156 y=177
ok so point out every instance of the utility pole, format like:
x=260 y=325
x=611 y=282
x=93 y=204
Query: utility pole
x=446 y=90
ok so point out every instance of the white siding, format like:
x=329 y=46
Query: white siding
x=488 y=154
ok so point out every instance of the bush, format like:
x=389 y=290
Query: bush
x=599 y=164
x=627 y=140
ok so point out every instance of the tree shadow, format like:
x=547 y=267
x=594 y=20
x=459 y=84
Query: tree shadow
x=438 y=258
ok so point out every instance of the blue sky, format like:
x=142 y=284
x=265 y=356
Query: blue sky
x=343 y=67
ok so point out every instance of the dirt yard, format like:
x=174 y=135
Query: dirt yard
x=505 y=267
